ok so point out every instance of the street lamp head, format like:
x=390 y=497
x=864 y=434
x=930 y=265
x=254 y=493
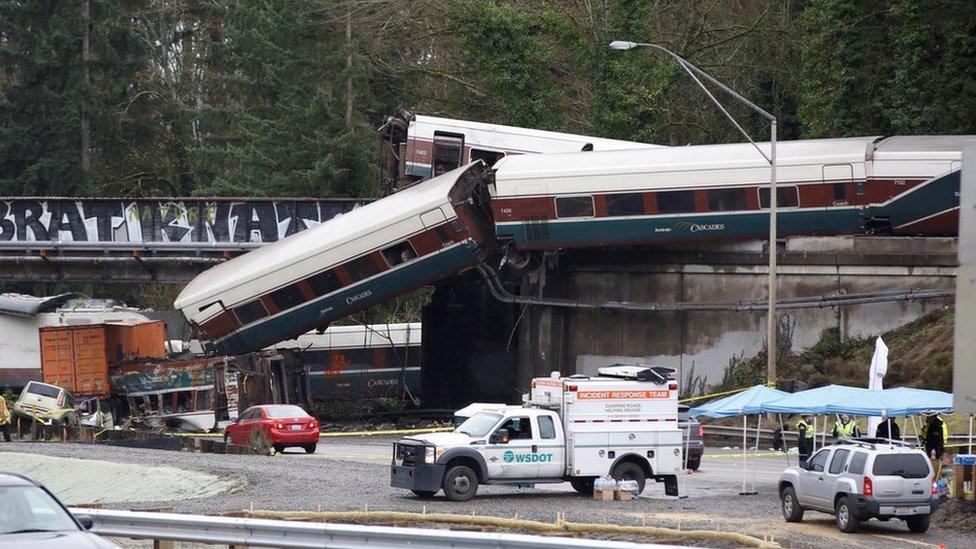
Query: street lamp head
x=622 y=45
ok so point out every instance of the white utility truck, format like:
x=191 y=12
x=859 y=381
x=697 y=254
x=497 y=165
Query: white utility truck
x=622 y=422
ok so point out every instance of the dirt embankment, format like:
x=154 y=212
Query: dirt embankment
x=920 y=356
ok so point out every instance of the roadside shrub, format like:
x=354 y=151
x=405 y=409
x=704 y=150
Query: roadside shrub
x=938 y=375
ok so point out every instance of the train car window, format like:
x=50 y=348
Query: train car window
x=361 y=268
x=676 y=201
x=442 y=234
x=251 y=311
x=840 y=191
x=489 y=157
x=287 y=297
x=727 y=200
x=625 y=204
x=574 y=206
x=448 y=151
x=786 y=197
x=859 y=188
x=323 y=283
x=399 y=253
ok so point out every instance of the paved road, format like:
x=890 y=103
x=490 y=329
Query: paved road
x=352 y=474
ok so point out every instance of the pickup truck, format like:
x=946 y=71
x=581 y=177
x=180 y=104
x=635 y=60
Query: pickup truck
x=622 y=423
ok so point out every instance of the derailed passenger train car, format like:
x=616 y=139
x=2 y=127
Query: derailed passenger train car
x=367 y=256
x=905 y=185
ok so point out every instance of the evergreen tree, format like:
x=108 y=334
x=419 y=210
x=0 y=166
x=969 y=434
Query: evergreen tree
x=843 y=73
x=933 y=66
x=66 y=66
x=274 y=123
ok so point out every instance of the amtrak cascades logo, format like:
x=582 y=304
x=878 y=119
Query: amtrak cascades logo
x=699 y=227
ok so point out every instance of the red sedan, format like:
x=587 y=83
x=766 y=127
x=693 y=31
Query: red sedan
x=277 y=425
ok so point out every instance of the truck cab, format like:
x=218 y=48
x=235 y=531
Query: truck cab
x=572 y=429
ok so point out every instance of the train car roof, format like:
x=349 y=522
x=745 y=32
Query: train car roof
x=508 y=136
x=924 y=144
x=671 y=159
x=355 y=337
x=339 y=230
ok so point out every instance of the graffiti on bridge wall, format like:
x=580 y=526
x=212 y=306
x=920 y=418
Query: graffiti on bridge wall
x=162 y=220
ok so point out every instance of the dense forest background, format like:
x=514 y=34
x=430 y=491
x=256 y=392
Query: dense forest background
x=282 y=97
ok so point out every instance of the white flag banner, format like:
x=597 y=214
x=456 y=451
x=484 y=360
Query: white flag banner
x=879 y=367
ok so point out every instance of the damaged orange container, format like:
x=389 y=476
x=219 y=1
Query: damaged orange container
x=78 y=357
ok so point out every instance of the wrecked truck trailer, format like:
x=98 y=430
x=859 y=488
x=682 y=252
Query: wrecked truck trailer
x=201 y=394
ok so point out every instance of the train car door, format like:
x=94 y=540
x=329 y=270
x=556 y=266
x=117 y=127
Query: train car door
x=448 y=152
x=841 y=178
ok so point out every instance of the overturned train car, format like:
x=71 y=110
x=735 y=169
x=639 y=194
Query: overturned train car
x=367 y=256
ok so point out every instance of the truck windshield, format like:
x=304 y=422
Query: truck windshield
x=479 y=424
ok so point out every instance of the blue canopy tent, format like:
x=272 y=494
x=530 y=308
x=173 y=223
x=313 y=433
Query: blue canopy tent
x=814 y=401
x=746 y=403
x=909 y=401
x=894 y=403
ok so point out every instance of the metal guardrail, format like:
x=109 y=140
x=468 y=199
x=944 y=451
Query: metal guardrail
x=767 y=434
x=292 y=534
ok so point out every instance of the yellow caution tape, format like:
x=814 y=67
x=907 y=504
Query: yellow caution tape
x=712 y=395
x=335 y=433
x=387 y=432
x=749 y=453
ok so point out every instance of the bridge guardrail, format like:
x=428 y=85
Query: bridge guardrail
x=128 y=245
x=292 y=534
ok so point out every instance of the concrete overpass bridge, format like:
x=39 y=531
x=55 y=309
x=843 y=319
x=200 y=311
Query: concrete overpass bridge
x=120 y=240
x=691 y=307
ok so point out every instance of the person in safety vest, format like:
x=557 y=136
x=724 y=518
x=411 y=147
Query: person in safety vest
x=4 y=419
x=804 y=441
x=846 y=428
x=935 y=434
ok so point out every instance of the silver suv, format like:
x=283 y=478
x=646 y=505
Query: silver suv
x=860 y=479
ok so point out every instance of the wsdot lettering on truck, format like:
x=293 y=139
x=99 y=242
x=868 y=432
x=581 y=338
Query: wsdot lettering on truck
x=511 y=456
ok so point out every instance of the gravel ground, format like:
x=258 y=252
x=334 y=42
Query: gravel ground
x=358 y=480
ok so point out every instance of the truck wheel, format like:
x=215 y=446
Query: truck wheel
x=792 y=511
x=844 y=513
x=694 y=464
x=918 y=523
x=630 y=471
x=584 y=486
x=460 y=483
x=423 y=494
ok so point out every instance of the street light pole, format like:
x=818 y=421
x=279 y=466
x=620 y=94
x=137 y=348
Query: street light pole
x=694 y=72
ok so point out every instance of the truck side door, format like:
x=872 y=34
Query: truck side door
x=512 y=458
x=550 y=446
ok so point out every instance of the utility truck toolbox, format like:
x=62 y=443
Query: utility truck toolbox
x=622 y=422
